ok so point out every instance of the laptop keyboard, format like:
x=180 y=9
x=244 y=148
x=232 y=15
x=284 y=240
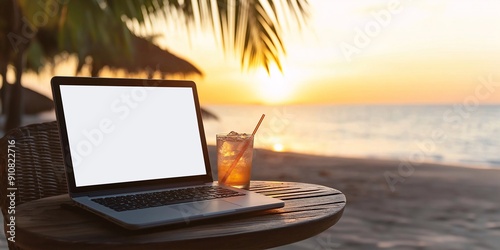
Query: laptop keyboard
x=161 y=198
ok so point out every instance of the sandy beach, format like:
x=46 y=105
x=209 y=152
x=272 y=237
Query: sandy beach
x=434 y=207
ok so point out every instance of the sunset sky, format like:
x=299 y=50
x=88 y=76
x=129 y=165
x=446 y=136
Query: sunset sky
x=423 y=52
x=364 y=51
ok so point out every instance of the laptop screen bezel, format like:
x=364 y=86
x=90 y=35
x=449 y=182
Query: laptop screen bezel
x=74 y=190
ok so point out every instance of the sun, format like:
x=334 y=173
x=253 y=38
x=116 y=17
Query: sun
x=278 y=147
x=274 y=87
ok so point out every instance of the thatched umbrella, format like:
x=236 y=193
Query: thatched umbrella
x=146 y=56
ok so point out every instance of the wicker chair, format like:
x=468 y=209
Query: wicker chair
x=39 y=168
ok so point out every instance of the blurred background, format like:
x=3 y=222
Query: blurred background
x=402 y=80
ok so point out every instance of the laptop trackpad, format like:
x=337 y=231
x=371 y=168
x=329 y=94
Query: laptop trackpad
x=207 y=208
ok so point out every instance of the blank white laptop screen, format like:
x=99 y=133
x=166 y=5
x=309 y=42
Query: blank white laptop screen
x=120 y=134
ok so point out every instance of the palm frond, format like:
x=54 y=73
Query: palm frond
x=252 y=28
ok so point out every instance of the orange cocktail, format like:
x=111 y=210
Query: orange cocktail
x=229 y=147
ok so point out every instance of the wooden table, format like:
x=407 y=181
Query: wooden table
x=53 y=223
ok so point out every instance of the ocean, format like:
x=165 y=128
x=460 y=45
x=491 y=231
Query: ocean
x=446 y=134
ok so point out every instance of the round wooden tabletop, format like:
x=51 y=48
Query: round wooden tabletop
x=53 y=223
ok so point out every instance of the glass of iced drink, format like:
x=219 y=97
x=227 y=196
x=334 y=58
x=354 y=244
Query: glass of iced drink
x=229 y=148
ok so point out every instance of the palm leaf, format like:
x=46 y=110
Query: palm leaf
x=251 y=28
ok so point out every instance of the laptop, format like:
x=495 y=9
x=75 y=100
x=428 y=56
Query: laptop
x=135 y=153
